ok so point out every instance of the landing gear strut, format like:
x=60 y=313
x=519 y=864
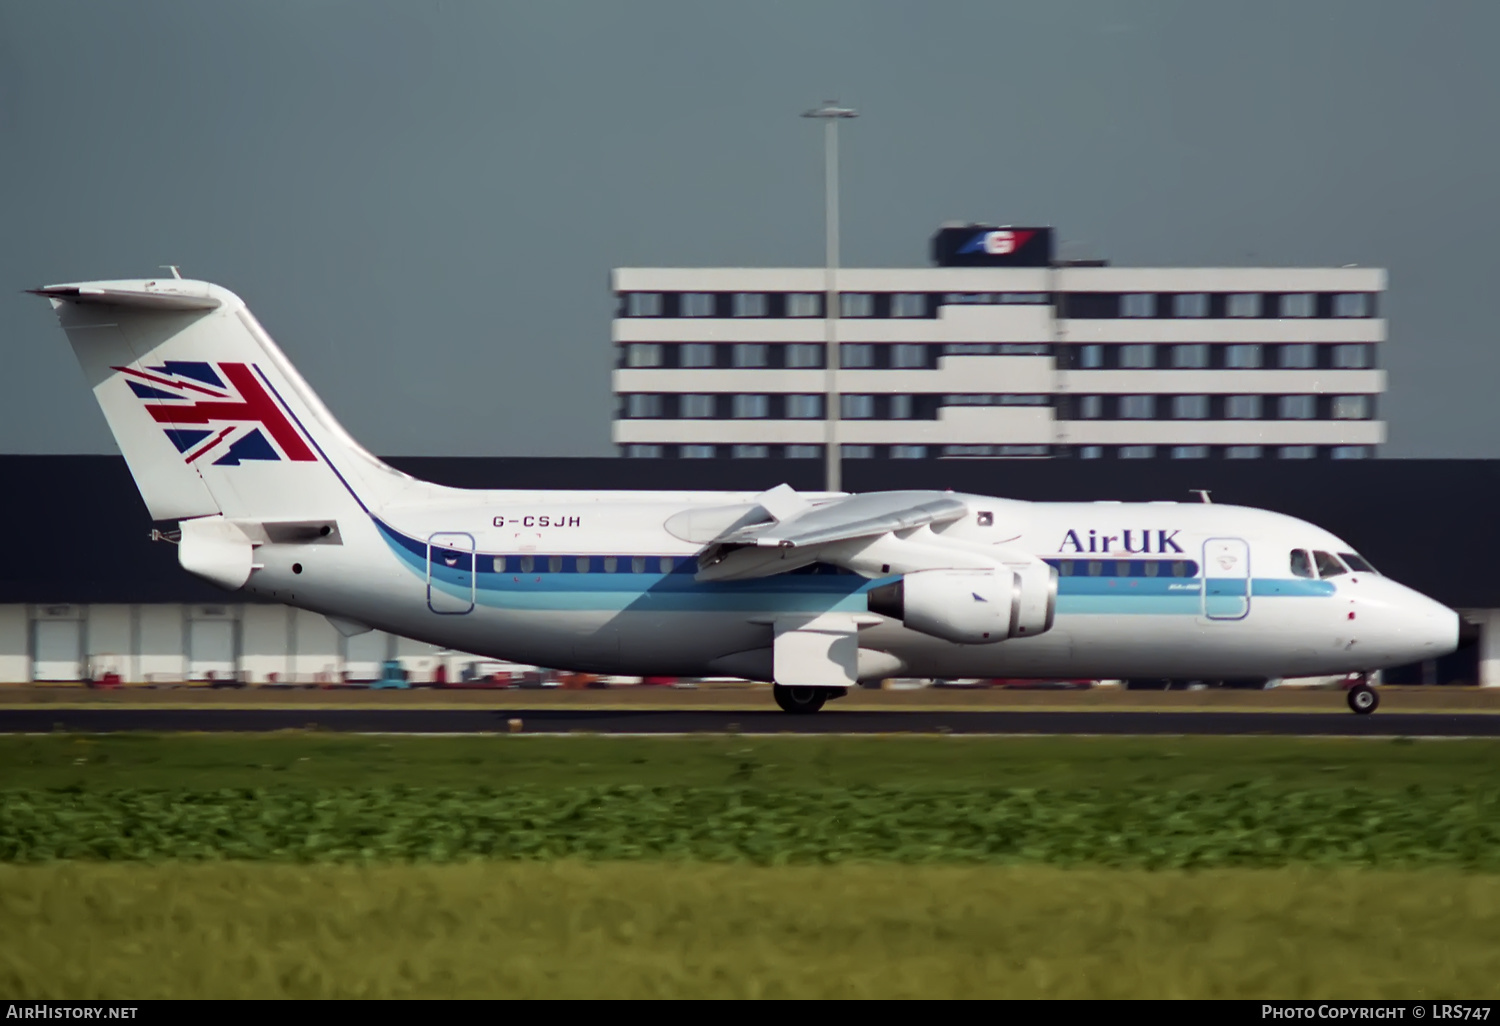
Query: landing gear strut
x=795 y=699
x=1362 y=697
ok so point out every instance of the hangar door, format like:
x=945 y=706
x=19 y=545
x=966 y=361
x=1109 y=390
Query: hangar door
x=213 y=644
x=57 y=649
x=364 y=654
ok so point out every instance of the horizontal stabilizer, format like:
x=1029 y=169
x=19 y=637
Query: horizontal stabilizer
x=162 y=298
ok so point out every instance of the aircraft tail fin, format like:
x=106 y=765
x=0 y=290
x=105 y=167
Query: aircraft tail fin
x=210 y=415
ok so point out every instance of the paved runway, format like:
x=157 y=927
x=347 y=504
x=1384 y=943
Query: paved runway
x=830 y=721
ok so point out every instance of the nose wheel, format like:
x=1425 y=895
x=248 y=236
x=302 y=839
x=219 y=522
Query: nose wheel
x=1363 y=699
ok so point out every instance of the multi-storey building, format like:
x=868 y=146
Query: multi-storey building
x=1002 y=351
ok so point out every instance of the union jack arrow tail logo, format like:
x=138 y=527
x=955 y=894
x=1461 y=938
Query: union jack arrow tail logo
x=221 y=410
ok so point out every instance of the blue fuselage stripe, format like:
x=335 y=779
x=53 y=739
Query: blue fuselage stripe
x=541 y=589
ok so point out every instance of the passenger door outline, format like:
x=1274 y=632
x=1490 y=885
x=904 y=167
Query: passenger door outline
x=454 y=552
x=1226 y=579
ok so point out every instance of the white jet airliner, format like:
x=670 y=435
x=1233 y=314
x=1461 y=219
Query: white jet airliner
x=814 y=592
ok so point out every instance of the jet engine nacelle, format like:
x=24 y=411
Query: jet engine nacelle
x=972 y=607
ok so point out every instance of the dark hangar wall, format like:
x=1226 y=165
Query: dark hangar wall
x=78 y=531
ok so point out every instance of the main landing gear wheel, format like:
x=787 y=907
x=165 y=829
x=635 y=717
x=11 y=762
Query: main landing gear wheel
x=795 y=699
x=1363 y=699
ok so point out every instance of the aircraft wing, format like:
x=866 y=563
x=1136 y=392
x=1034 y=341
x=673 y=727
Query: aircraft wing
x=799 y=528
x=855 y=516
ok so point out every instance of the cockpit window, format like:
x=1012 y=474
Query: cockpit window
x=1327 y=565
x=1302 y=563
x=1357 y=562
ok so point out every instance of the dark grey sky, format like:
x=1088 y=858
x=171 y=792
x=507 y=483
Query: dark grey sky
x=422 y=201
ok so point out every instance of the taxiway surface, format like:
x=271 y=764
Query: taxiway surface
x=665 y=721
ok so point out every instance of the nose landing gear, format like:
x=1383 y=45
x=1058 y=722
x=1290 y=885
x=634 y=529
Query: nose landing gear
x=1362 y=698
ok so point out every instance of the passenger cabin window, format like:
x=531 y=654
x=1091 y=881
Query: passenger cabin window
x=1302 y=564
x=554 y=564
x=581 y=565
x=1357 y=562
x=1328 y=566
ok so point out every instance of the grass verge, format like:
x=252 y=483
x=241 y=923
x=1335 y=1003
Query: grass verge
x=326 y=761
x=1235 y=826
x=563 y=929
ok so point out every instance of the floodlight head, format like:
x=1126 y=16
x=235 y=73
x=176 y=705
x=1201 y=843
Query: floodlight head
x=831 y=109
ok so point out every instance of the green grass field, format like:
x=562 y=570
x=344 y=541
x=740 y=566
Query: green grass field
x=565 y=929
x=317 y=865
x=312 y=759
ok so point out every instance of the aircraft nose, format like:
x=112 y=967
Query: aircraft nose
x=1440 y=630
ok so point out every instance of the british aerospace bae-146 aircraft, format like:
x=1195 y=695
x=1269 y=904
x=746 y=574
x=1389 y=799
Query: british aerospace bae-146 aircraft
x=814 y=592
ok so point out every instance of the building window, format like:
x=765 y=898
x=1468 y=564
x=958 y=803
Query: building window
x=1138 y=356
x=695 y=407
x=803 y=452
x=908 y=304
x=804 y=407
x=643 y=354
x=695 y=354
x=1351 y=407
x=804 y=354
x=1190 y=357
x=640 y=406
x=1351 y=357
x=856 y=304
x=1301 y=355
x=1090 y=452
x=1091 y=357
x=1242 y=452
x=687 y=452
x=1137 y=407
x=643 y=452
x=750 y=452
x=907 y=355
x=1297 y=407
x=856 y=407
x=1138 y=304
x=1298 y=304
x=643 y=304
x=1243 y=304
x=1190 y=452
x=1297 y=452
x=901 y=407
x=696 y=304
x=853 y=355
x=908 y=452
x=1190 y=407
x=858 y=452
x=1137 y=452
x=1242 y=407
x=749 y=304
x=1090 y=407
x=1190 y=304
x=1351 y=304
x=750 y=354
x=1242 y=357
x=749 y=407
x=804 y=304
x=1349 y=452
